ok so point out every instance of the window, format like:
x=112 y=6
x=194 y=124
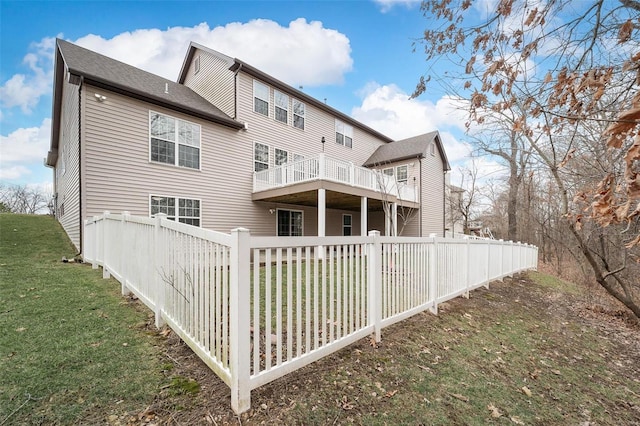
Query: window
x=281 y=106
x=344 y=134
x=281 y=157
x=388 y=172
x=402 y=174
x=188 y=210
x=346 y=224
x=298 y=114
x=260 y=98
x=260 y=157
x=169 y=134
x=196 y=65
x=289 y=223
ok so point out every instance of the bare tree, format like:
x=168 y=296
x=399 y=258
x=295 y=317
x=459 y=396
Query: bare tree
x=24 y=199
x=390 y=192
x=551 y=70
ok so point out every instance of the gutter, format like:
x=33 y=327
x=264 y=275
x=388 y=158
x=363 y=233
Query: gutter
x=80 y=86
x=235 y=92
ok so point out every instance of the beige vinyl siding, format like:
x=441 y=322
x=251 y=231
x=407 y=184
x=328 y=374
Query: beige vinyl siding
x=119 y=176
x=305 y=142
x=68 y=185
x=432 y=195
x=214 y=81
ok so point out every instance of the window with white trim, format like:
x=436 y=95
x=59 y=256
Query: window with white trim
x=402 y=174
x=260 y=157
x=281 y=157
x=196 y=65
x=388 y=172
x=344 y=134
x=185 y=210
x=289 y=223
x=260 y=98
x=298 y=114
x=281 y=106
x=168 y=135
x=347 y=224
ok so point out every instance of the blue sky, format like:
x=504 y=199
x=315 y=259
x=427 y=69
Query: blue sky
x=358 y=55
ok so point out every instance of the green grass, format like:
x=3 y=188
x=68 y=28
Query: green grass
x=70 y=350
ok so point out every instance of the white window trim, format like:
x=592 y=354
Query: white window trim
x=276 y=106
x=177 y=142
x=275 y=156
x=347 y=226
x=265 y=100
x=268 y=163
x=346 y=132
x=177 y=205
x=196 y=65
x=293 y=113
x=393 y=172
x=406 y=166
x=291 y=210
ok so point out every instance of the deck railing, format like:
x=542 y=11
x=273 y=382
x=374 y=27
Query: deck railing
x=257 y=308
x=327 y=168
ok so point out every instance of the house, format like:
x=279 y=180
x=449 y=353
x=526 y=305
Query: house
x=228 y=146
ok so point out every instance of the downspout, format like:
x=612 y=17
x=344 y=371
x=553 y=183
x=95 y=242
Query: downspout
x=80 y=163
x=235 y=94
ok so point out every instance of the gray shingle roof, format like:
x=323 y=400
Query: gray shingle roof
x=102 y=71
x=414 y=147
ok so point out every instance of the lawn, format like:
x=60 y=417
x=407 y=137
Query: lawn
x=71 y=348
x=529 y=350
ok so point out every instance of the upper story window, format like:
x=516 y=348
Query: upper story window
x=298 y=114
x=188 y=210
x=260 y=98
x=402 y=174
x=168 y=135
x=260 y=157
x=281 y=106
x=388 y=172
x=344 y=134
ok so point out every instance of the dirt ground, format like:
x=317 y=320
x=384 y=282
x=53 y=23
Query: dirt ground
x=292 y=399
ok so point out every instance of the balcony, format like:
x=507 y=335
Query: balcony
x=345 y=176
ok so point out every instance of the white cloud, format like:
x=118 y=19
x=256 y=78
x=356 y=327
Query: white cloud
x=389 y=110
x=24 y=90
x=302 y=53
x=24 y=147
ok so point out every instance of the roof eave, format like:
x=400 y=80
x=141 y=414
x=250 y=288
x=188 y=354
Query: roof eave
x=103 y=84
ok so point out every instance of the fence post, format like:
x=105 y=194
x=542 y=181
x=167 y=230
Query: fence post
x=105 y=246
x=466 y=293
x=94 y=261
x=123 y=254
x=488 y=264
x=155 y=275
x=433 y=275
x=239 y=312
x=375 y=283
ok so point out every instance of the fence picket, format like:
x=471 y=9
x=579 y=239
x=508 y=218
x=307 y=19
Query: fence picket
x=252 y=324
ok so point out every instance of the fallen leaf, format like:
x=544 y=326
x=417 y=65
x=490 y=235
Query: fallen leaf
x=526 y=391
x=516 y=420
x=391 y=393
x=20 y=329
x=460 y=397
x=495 y=413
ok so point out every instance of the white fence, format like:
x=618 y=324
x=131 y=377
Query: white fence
x=257 y=308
